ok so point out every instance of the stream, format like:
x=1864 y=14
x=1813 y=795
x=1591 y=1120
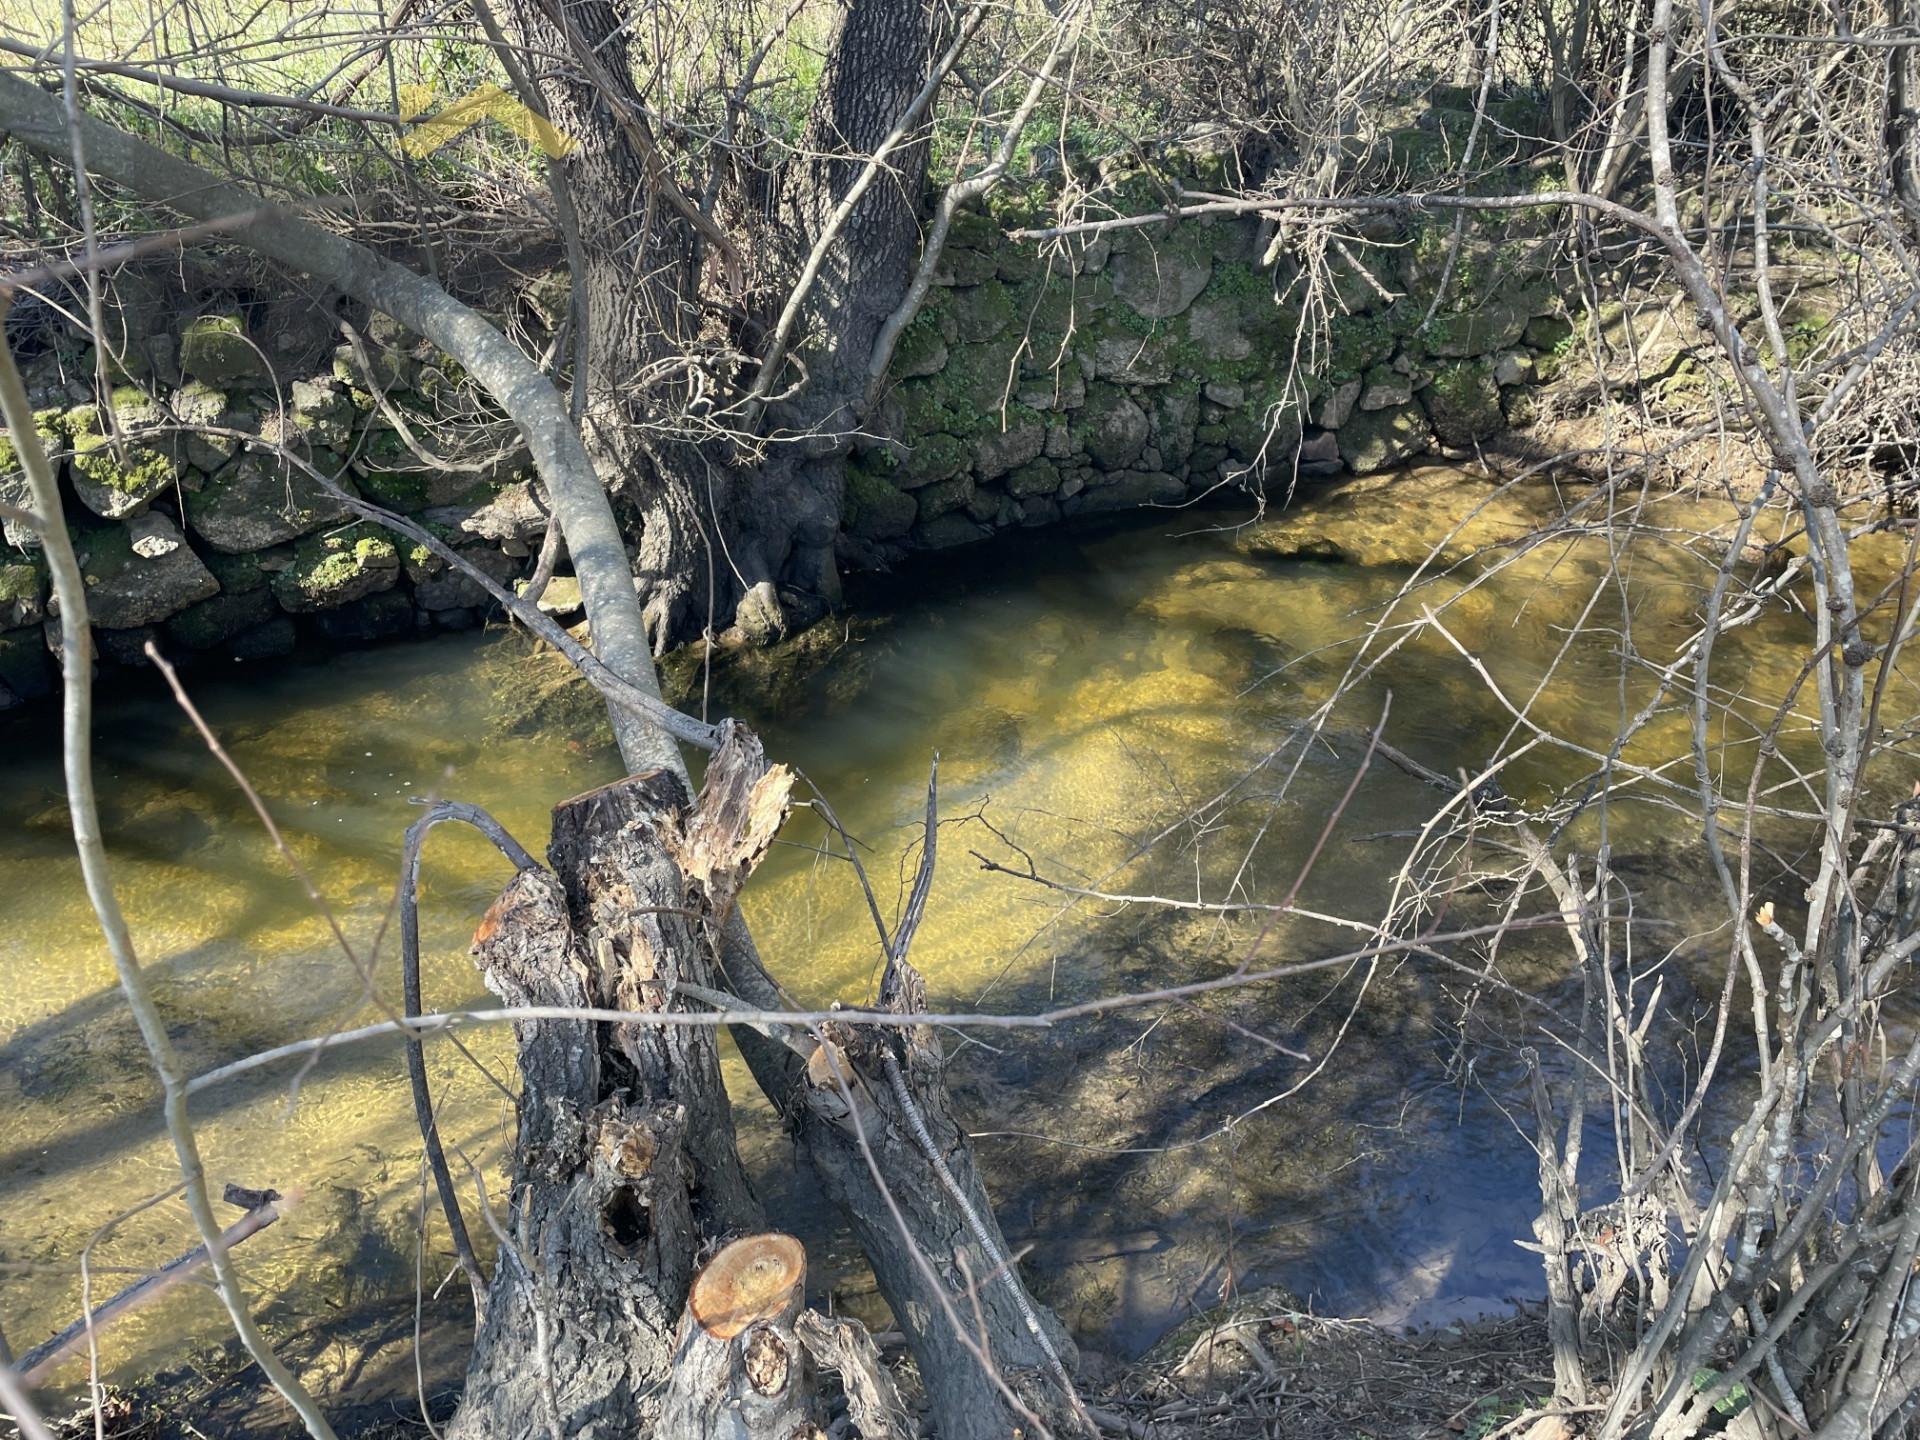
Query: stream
x=1086 y=690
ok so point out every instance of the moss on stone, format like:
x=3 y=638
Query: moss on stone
x=337 y=569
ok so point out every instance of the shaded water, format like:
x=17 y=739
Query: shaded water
x=1085 y=691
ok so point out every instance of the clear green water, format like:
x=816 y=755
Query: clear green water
x=1084 y=692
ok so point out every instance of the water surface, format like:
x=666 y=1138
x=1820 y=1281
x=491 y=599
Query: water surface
x=1088 y=693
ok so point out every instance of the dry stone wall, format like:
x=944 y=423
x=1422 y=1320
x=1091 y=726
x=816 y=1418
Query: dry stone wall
x=1145 y=366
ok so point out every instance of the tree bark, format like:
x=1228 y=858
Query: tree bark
x=624 y=1167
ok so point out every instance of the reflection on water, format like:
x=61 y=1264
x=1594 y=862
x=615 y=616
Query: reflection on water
x=1086 y=694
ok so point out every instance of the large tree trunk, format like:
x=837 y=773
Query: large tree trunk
x=725 y=539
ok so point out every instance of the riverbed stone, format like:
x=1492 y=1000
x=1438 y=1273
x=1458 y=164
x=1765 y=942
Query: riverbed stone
x=1158 y=282
x=257 y=502
x=1379 y=439
x=337 y=569
x=1463 y=403
x=140 y=573
x=1113 y=429
x=215 y=349
x=999 y=451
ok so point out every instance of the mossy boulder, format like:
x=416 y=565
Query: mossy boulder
x=321 y=413
x=1494 y=323
x=1380 y=439
x=980 y=312
x=140 y=573
x=117 y=476
x=931 y=459
x=1111 y=428
x=922 y=349
x=1159 y=281
x=874 y=508
x=23 y=594
x=943 y=498
x=49 y=424
x=1036 y=478
x=1021 y=440
x=257 y=502
x=337 y=569
x=215 y=349
x=1463 y=402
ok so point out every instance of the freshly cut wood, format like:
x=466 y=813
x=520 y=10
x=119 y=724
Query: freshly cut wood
x=739 y=1371
x=758 y=1278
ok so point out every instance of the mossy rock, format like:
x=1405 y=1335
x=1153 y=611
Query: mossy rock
x=1111 y=427
x=337 y=569
x=140 y=573
x=1463 y=402
x=1380 y=439
x=980 y=312
x=931 y=459
x=922 y=349
x=117 y=478
x=874 y=508
x=237 y=574
x=1036 y=478
x=23 y=594
x=933 y=501
x=255 y=503
x=215 y=349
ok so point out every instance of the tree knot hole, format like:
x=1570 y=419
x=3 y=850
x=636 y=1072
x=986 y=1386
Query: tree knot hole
x=625 y=1220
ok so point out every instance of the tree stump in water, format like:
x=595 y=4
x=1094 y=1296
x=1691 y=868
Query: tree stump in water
x=625 y=1167
x=740 y=1372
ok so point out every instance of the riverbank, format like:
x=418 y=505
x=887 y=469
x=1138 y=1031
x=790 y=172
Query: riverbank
x=1244 y=1371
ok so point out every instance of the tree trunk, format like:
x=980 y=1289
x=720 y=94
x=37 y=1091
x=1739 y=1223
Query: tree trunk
x=624 y=1168
x=723 y=533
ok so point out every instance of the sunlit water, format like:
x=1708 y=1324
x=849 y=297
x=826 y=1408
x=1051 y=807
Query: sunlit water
x=1085 y=692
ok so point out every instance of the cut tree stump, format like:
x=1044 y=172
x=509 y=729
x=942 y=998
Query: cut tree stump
x=740 y=1371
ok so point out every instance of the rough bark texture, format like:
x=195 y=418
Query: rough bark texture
x=749 y=540
x=625 y=1167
